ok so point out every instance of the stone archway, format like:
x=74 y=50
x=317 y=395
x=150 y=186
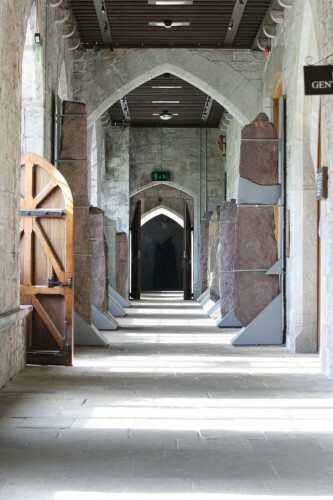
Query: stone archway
x=217 y=74
x=153 y=194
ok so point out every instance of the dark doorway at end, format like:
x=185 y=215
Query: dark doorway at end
x=161 y=255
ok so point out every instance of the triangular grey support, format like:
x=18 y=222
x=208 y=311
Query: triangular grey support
x=103 y=320
x=265 y=329
x=276 y=268
x=230 y=320
x=116 y=309
x=250 y=192
x=203 y=296
x=214 y=308
x=119 y=298
x=85 y=334
x=207 y=304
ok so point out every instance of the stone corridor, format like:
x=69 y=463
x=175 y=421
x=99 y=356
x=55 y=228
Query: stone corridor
x=169 y=410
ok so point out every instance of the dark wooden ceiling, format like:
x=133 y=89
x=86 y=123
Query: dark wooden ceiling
x=125 y=23
x=216 y=24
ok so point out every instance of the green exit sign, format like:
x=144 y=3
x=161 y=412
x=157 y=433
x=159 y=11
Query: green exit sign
x=160 y=176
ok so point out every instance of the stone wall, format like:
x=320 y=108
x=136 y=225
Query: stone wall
x=233 y=137
x=191 y=156
x=115 y=183
x=13 y=19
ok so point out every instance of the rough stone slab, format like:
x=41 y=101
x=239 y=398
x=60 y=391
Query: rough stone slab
x=256 y=247
x=259 y=159
x=253 y=291
x=74 y=131
x=99 y=260
x=204 y=228
x=227 y=255
x=213 y=250
x=81 y=231
x=76 y=174
x=122 y=264
x=82 y=286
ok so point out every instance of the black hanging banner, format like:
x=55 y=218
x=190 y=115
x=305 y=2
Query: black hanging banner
x=318 y=80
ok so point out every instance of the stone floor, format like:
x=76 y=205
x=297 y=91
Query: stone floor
x=170 y=410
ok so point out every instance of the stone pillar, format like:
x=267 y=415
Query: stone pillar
x=227 y=256
x=204 y=228
x=99 y=260
x=122 y=285
x=213 y=264
x=74 y=167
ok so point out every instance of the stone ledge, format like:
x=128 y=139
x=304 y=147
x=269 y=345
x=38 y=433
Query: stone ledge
x=12 y=317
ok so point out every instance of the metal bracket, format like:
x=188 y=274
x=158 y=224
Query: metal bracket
x=42 y=212
x=52 y=284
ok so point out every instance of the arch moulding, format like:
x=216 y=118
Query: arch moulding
x=217 y=76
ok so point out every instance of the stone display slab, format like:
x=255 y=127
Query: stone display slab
x=99 y=252
x=204 y=227
x=259 y=159
x=213 y=264
x=121 y=263
x=74 y=167
x=227 y=256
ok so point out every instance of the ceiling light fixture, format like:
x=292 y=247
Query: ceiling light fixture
x=231 y=25
x=166 y=87
x=165 y=115
x=170 y=2
x=165 y=102
x=103 y=8
x=168 y=23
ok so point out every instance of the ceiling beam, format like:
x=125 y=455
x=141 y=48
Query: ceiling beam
x=235 y=20
x=103 y=22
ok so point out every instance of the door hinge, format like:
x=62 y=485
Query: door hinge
x=69 y=283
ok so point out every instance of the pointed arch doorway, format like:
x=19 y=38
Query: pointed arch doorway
x=161 y=243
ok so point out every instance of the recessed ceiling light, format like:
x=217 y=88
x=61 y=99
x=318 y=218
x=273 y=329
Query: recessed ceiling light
x=170 y=2
x=168 y=23
x=166 y=87
x=165 y=102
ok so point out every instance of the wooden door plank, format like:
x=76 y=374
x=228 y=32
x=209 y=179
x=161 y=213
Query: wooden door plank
x=28 y=252
x=44 y=193
x=43 y=239
x=48 y=322
x=38 y=290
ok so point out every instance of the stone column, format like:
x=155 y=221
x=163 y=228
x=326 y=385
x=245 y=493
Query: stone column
x=99 y=260
x=74 y=167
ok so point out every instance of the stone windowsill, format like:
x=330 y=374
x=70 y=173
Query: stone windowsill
x=12 y=317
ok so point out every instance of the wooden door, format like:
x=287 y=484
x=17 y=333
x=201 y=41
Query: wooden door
x=47 y=261
x=187 y=261
x=136 y=253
